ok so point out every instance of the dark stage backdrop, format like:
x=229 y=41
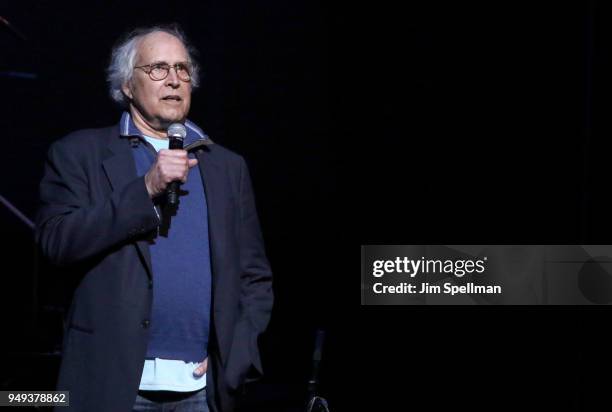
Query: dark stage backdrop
x=454 y=123
x=484 y=121
x=264 y=94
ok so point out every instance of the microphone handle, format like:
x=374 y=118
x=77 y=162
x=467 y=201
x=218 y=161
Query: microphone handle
x=173 y=187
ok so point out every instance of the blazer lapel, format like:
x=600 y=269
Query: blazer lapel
x=120 y=169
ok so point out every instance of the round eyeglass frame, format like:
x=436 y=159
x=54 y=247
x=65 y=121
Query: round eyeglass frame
x=149 y=68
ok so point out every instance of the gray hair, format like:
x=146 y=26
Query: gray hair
x=123 y=58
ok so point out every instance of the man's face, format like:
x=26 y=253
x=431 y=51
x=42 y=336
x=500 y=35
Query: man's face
x=165 y=101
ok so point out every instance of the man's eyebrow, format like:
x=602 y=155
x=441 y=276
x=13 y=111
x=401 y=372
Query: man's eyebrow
x=165 y=62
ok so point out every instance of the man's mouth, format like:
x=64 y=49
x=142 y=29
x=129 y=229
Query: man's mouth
x=172 y=98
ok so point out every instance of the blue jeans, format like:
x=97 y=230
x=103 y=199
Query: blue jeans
x=166 y=401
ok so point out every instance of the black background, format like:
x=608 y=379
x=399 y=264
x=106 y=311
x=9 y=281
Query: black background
x=434 y=122
x=482 y=122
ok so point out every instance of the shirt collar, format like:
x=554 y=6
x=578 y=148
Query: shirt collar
x=128 y=128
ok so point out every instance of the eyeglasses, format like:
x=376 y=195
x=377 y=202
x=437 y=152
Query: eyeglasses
x=159 y=71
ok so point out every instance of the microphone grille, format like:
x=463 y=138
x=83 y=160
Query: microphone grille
x=177 y=130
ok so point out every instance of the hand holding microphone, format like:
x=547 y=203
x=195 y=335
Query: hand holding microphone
x=171 y=167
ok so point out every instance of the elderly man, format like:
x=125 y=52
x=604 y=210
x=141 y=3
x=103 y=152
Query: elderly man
x=169 y=301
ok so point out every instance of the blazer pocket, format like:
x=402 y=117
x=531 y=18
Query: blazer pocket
x=239 y=358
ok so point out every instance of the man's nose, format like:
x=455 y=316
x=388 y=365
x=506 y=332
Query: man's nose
x=173 y=79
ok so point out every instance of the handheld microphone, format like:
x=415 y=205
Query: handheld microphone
x=176 y=134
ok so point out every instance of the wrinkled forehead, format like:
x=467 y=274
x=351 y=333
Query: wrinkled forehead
x=161 y=46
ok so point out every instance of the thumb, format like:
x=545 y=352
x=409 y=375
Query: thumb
x=193 y=162
x=201 y=369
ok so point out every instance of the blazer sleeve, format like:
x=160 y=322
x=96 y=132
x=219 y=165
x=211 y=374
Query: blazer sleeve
x=256 y=281
x=70 y=227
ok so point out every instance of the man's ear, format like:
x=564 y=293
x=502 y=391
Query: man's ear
x=126 y=90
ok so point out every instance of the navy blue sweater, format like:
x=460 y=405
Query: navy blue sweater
x=180 y=259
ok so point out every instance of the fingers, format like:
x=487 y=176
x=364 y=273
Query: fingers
x=173 y=152
x=201 y=369
x=174 y=165
x=177 y=158
x=173 y=155
x=170 y=165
